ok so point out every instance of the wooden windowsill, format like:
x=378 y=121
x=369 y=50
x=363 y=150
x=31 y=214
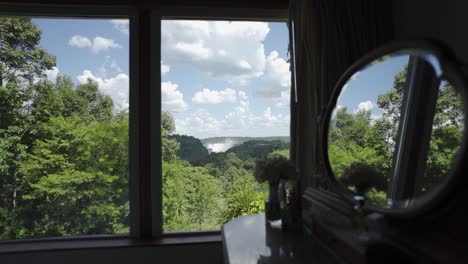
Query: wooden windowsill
x=100 y=242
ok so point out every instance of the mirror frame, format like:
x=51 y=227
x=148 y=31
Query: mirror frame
x=451 y=71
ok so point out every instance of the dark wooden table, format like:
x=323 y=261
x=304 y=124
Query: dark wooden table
x=247 y=240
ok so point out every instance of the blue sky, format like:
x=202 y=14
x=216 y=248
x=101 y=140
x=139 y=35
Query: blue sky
x=363 y=89
x=219 y=78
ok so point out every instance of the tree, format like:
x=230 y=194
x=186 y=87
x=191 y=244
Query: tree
x=190 y=197
x=98 y=105
x=246 y=197
x=20 y=55
x=355 y=138
x=170 y=147
x=74 y=179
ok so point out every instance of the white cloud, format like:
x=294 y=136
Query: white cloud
x=97 y=45
x=284 y=100
x=102 y=44
x=354 y=76
x=207 y=96
x=110 y=66
x=366 y=106
x=52 y=74
x=277 y=77
x=239 y=122
x=172 y=98
x=337 y=107
x=231 y=51
x=79 y=41
x=164 y=68
x=115 y=87
x=121 y=25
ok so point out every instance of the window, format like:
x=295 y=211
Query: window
x=64 y=125
x=97 y=171
x=225 y=103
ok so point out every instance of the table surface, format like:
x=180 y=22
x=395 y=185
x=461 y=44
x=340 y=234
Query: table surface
x=247 y=240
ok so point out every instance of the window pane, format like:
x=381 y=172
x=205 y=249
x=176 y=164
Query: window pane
x=63 y=127
x=446 y=136
x=225 y=103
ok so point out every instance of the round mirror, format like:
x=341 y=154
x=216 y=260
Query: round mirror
x=396 y=127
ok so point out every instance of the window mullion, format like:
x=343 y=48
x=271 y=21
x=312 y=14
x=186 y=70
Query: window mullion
x=155 y=104
x=143 y=126
x=417 y=112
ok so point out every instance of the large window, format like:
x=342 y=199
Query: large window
x=225 y=95
x=83 y=101
x=64 y=122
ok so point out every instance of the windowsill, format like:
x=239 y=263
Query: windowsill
x=112 y=241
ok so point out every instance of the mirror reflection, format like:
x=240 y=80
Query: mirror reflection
x=396 y=129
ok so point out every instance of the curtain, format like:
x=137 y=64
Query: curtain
x=328 y=36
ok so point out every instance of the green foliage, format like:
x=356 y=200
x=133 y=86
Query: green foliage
x=64 y=161
x=257 y=148
x=170 y=147
x=356 y=138
x=20 y=55
x=246 y=197
x=191 y=148
x=191 y=197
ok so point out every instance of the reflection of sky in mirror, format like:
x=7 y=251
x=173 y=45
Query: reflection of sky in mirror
x=364 y=87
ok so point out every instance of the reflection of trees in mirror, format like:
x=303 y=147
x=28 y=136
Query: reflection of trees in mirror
x=446 y=137
x=357 y=138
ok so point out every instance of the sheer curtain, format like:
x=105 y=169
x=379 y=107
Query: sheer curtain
x=328 y=36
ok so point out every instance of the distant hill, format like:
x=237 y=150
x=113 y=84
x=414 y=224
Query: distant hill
x=247 y=151
x=255 y=149
x=222 y=144
x=191 y=148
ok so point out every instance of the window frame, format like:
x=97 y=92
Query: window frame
x=417 y=111
x=145 y=163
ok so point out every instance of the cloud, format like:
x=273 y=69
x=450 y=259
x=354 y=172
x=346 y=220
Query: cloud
x=97 y=45
x=200 y=123
x=172 y=98
x=102 y=44
x=337 y=107
x=238 y=122
x=366 y=106
x=52 y=74
x=121 y=25
x=354 y=76
x=277 y=77
x=110 y=66
x=115 y=87
x=207 y=96
x=164 y=68
x=230 y=51
x=284 y=100
x=79 y=41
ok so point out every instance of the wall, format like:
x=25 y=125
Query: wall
x=443 y=20
x=198 y=253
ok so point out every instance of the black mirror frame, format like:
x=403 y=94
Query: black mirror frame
x=450 y=71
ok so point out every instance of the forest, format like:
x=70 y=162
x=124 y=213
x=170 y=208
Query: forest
x=64 y=156
x=64 y=152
